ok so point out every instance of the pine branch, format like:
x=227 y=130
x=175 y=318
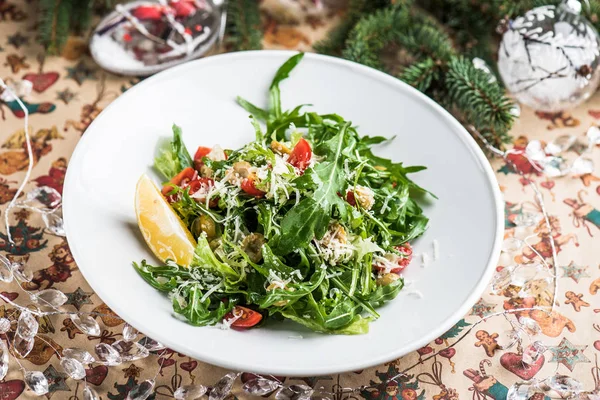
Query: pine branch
x=420 y=75
x=481 y=101
x=427 y=42
x=63 y=22
x=81 y=15
x=357 y=9
x=243 y=31
x=46 y=22
x=373 y=33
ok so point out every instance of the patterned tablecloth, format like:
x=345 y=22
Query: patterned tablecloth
x=70 y=91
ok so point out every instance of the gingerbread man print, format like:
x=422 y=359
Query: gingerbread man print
x=576 y=300
x=488 y=342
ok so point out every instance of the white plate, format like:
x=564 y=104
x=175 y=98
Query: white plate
x=200 y=96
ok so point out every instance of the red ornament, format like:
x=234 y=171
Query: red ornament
x=148 y=13
x=127 y=37
x=198 y=28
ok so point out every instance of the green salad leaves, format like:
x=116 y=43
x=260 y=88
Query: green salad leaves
x=304 y=223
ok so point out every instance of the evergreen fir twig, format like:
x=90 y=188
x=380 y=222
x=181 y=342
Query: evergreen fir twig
x=435 y=67
x=243 y=25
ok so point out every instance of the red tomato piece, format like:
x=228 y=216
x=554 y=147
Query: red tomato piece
x=301 y=155
x=350 y=198
x=148 y=12
x=249 y=187
x=181 y=179
x=406 y=252
x=201 y=152
x=248 y=317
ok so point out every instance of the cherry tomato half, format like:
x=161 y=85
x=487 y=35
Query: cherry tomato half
x=181 y=179
x=201 y=152
x=249 y=187
x=350 y=198
x=407 y=252
x=148 y=12
x=248 y=319
x=301 y=155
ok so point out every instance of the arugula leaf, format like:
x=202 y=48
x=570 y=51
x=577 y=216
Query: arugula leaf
x=162 y=278
x=179 y=149
x=205 y=258
x=282 y=73
x=310 y=217
x=255 y=111
x=196 y=311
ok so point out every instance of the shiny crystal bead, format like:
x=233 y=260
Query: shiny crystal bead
x=294 y=392
x=73 y=368
x=4 y=359
x=22 y=346
x=582 y=166
x=27 y=326
x=6 y=272
x=190 y=392
x=593 y=135
x=524 y=273
x=564 y=385
x=90 y=394
x=527 y=218
x=508 y=339
x=45 y=195
x=141 y=391
x=130 y=351
x=533 y=352
x=560 y=144
x=151 y=344
x=129 y=333
x=520 y=391
x=530 y=326
x=4 y=325
x=107 y=354
x=512 y=245
x=22 y=272
x=554 y=167
x=260 y=386
x=37 y=382
x=223 y=387
x=86 y=324
x=534 y=151
x=502 y=279
x=54 y=224
x=49 y=297
x=80 y=355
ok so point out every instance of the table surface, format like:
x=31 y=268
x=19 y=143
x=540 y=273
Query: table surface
x=69 y=91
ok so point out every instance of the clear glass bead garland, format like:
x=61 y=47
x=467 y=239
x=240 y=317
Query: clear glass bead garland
x=72 y=360
x=549 y=57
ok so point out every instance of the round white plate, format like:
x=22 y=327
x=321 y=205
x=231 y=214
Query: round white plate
x=119 y=146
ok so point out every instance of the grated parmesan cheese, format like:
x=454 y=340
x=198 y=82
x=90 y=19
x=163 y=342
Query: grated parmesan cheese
x=211 y=291
x=436 y=250
x=334 y=246
x=424 y=260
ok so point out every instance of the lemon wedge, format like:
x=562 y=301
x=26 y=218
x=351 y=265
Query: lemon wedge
x=163 y=230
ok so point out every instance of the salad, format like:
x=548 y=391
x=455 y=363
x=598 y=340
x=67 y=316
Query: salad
x=303 y=223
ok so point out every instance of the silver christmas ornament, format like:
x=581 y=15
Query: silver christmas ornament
x=549 y=58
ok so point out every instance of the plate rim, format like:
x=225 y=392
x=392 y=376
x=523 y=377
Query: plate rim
x=289 y=370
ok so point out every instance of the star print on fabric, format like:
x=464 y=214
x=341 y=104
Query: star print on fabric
x=17 y=40
x=78 y=298
x=65 y=95
x=56 y=381
x=482 y=308
x=80 y=72
x=132 y=371
x=567 y=354
x=574 y=272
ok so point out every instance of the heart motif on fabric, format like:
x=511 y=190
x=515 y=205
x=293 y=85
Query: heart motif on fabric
x=165 y=362
x=189 y=366
x=10 y=295
x=41 y=81
x=547 y=184
x=96 y=375
x=10 y=390
x=514 y=363
x=448 y=353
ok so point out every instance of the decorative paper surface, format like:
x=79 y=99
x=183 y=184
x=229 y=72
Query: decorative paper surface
x=70 y=91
